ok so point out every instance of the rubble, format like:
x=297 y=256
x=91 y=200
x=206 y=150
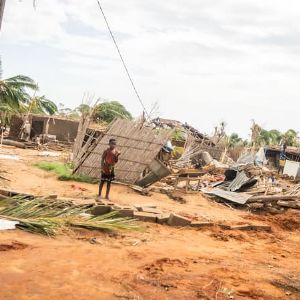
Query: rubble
x=177 y=220
x=145 y=216
x=246 y=184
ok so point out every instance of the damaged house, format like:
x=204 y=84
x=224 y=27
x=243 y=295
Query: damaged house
x=192 y=140
x=139 y=146
x=48 y=127
x=292 y=163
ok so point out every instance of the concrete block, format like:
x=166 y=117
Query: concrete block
x=100 y=210
x=162 y=218
x=144 y=216
x=125 y=212
x=176 y=220
x=116 y=207
x=202 y=224
x=139 y=207
x=10 y=193
x=151 y=210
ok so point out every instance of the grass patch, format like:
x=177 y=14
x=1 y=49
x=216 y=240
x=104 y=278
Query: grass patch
x=64 y=172
x=59 y=169
x=78 y=178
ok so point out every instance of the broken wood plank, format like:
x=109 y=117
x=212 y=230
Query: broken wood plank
x=290 y=204
x=14 y=143
x=273 y=198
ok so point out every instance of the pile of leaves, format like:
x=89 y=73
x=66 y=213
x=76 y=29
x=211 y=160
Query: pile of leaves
x=49 y=217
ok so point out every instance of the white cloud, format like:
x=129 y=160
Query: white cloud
x=205 y=60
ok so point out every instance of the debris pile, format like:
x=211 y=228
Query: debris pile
x=257 y=188
x=246 y=184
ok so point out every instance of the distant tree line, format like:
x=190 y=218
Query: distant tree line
x=20 y=95
x=263 y=137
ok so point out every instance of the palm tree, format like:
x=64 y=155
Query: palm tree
x=274 y=137
x=107 y=111
x=13 y=91
x=291 y=138
x=40 y=104
x=13 y=95
x=234 y=140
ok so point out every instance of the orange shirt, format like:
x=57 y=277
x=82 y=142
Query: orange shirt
x=109 y=159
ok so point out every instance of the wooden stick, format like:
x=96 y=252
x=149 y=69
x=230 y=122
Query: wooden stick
x=273 y=198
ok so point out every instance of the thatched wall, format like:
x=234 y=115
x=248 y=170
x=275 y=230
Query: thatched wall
x=139 y=145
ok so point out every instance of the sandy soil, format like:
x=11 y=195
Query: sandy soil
x=159 y=263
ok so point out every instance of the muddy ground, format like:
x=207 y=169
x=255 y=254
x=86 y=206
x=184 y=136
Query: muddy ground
x=160 y=262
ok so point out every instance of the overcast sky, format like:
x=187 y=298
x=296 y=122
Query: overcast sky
x=203 y=61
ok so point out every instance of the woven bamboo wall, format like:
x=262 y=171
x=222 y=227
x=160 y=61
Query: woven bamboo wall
x=138 y=146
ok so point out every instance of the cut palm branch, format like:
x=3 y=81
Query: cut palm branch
x=44 y=226
x=46 y=217
x=108 y=222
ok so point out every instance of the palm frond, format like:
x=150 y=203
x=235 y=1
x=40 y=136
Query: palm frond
x=48 y=216
x=40 y=104
x=108 y=222
x=22 y=81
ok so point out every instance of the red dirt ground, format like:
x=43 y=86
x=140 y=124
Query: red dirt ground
x=160 y=262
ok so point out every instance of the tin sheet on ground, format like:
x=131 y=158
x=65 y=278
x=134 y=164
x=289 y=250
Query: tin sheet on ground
x=230 y=196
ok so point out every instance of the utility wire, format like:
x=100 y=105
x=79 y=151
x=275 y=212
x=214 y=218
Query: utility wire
x=123 y=62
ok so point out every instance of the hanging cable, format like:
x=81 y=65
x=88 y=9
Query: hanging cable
x=123 y=62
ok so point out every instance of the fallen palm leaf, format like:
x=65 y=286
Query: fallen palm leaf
x=106 y=222
x=48 y=216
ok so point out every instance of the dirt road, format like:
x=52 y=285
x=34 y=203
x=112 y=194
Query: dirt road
x=159 y=263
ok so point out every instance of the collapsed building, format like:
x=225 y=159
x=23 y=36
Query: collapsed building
x=140 y=147
x=191 y=139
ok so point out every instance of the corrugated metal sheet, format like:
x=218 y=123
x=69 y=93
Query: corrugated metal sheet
x=230 y=196
x=240 y=179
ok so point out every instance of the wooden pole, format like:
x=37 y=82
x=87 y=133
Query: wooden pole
x=2 y=4
x=2 y=133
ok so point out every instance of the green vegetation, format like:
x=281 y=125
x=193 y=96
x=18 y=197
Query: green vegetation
x=15 y=98
x=262 y=137
x=64 y=172
x=178 y=135
x=104 y=112
x=49 y=217
x=108 y=111
x=40 y=104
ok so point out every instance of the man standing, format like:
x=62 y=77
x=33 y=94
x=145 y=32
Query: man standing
x=26 y=129
x=282 y=159
x=109 y=158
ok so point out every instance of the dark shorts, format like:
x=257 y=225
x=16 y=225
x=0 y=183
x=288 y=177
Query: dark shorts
x=108 y=177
